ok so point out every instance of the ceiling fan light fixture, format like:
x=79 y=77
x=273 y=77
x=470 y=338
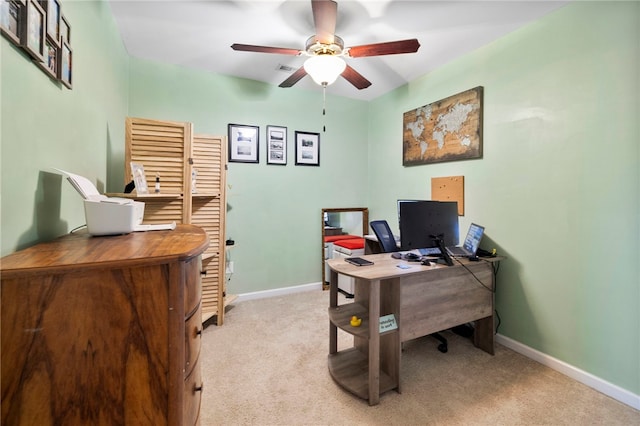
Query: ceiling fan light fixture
x=324 y=69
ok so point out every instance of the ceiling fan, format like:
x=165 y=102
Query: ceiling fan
x=326 y=50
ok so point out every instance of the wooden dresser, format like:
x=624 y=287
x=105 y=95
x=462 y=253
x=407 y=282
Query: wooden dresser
x=103 y=330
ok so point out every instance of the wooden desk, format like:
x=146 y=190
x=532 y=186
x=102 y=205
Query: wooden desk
x=423 y=299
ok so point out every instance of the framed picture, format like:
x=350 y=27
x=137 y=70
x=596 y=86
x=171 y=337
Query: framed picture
x=65 y=29
x=276 y=145
x=53 y=21
x=11 y=19
x=65 y=64
x=243 y=143
x=307 y=149
x=446 y=130
x=50 y=64
x=34 y=30
x=140 y=180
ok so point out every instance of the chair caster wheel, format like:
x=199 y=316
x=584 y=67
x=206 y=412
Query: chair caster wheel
x=443 y=348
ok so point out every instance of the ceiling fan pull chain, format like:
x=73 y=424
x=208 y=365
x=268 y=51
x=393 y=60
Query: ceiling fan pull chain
x=324 y=103
x=324 y=98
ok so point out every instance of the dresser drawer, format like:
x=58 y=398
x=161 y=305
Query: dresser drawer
x=192 y=396
x=193 y=285
x=192 y=340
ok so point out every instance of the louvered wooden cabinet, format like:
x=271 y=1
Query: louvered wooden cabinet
x=173 y=152
x=164 y=149
x=208 y=211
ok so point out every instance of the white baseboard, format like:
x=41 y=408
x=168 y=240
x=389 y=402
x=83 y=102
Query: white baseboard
x=609 y=389
x=279 y=291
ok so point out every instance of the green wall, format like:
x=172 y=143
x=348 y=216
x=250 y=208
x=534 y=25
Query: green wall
x=45 y=125
x=274 y=212
x=558 y=186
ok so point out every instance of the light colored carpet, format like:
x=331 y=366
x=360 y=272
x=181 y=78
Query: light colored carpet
x=267 y=365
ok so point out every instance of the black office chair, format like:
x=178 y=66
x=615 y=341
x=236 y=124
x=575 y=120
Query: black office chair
x=388 y=245
x=384 y=235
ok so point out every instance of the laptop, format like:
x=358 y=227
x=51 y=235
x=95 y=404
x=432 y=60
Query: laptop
x=471 y=242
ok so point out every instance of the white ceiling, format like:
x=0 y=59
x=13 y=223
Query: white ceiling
x=198 y=34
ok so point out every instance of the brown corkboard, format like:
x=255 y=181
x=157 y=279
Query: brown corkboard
x=449 y=188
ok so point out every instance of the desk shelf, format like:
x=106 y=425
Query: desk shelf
x=340 y=316
x=372 y=365
x=350 y=368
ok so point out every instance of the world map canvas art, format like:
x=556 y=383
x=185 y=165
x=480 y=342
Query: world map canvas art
x=447 y=130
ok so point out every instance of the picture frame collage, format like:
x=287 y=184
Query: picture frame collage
x=244 y=145
x=40 y=29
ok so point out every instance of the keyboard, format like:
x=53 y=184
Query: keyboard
x=430 y=251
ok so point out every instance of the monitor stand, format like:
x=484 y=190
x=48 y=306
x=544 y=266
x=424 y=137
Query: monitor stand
x=443 y=250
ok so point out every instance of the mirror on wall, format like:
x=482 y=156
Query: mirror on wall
x=341 y=224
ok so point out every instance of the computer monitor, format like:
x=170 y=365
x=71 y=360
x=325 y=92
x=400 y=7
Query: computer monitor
x=421 y=220
x=402 y=201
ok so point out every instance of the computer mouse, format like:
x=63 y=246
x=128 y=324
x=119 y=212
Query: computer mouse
x=426 y=262
x=396 y=255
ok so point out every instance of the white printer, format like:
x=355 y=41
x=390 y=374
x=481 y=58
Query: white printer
x=110 y=215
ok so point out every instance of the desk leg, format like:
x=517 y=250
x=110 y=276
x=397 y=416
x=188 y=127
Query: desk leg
x=333 y=302
x=374 y=343
x=483 y=337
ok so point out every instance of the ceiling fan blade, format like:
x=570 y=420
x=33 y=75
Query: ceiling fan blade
x=294 y=78
x=355 y=78
x=265 y=49
x=388 y=48
x=325 y=13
